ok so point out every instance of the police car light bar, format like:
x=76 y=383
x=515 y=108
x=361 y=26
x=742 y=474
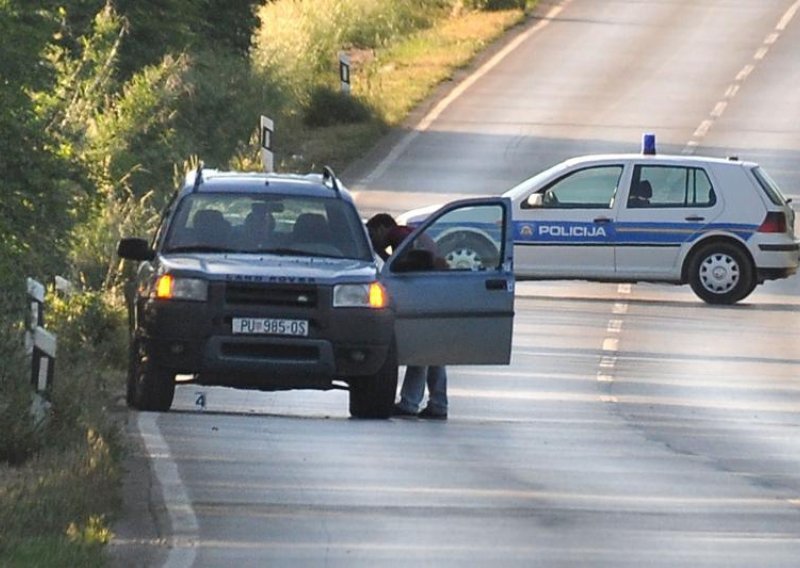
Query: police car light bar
x=649 y=144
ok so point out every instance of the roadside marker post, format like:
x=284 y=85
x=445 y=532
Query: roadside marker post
x=267 y=128
x=344 y=72
x=40 y=345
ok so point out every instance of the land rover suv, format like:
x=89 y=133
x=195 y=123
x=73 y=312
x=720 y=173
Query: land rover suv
x=268 y=281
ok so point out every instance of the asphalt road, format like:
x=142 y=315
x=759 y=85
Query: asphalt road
x=636 y=426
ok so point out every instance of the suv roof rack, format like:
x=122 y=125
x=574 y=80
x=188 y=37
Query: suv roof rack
x=198 y=177
x=328 y=177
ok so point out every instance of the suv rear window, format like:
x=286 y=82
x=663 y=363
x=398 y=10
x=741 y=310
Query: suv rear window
x=769 y=186
x=252 y=223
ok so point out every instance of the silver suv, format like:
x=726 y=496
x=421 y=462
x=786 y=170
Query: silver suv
x=269 y=282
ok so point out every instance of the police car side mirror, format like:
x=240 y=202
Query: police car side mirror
x=534 y=201
x=135 y=249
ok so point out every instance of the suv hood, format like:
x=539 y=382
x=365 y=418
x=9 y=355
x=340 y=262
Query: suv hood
x=269 y=268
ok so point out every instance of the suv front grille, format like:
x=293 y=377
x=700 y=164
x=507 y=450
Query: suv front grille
x=271 y=295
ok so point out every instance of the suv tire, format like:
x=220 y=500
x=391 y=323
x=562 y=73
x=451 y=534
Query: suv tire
x=150 y=387
x=721 y=273
x=373 y=396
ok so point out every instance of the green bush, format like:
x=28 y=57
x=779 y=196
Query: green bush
x=133 y=140
x=221 y=105
x=91 y=332
x=327 y=107
x=93 y=244
x=20 y=437
x=90 y=326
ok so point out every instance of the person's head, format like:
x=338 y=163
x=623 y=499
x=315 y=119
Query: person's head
x=378 y=227
x=259 y=218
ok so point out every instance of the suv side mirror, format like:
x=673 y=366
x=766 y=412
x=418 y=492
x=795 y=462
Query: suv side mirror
x=135 y=249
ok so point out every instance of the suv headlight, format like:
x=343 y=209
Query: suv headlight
x=372 y=295
x=169 y=287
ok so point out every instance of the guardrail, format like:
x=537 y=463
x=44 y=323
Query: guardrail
x=40 y=344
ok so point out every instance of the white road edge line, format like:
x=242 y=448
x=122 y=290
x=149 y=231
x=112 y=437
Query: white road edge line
x=184 y=536
x=437 y=110
x=787 y=17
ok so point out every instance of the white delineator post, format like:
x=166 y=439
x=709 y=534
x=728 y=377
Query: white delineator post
x=266 y=130
x=40 y=343
x=344 y=72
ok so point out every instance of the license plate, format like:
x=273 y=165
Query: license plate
x=270 y=326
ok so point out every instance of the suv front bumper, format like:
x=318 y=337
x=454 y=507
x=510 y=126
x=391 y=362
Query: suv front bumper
x=197 y=339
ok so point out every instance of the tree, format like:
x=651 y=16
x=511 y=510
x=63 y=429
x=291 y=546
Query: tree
x=171 y=27
x=34 y=213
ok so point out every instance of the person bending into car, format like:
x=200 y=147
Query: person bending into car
x=386 y=235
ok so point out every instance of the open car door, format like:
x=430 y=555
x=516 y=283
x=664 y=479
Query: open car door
x=452 y=285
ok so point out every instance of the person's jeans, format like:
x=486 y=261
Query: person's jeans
x=413 y=389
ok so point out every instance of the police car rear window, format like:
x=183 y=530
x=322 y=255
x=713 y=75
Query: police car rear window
x=670 y=187
x=769 y=186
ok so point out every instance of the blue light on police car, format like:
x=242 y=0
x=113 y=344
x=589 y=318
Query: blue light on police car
x=649 y=144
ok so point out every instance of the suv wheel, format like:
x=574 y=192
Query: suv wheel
x=149 y=386
x=373 y=396
x=721 y=273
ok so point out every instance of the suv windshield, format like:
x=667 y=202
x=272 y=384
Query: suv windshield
x=267 y=224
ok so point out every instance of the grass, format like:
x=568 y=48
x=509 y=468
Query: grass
x=403 y=75
x=392 y=80
x=56 y=506
x=54 y=511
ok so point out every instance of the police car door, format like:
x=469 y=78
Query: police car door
x=660 y=215
x=459 y=314
x=565 y=229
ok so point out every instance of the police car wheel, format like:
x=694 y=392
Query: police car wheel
x=373 y=396
x=721 y=273
x=467 y=252
x=149 y=386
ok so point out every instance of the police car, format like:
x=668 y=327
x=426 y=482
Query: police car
x=721 y=225
x=269 y=282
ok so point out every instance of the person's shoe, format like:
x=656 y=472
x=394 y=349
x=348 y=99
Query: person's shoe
x=400 y=411
x=431 y=414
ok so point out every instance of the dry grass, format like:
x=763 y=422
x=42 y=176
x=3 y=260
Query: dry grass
x=401 y=76
x=392 y=80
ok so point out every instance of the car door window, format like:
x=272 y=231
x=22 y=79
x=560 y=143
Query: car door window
x=588 y=188
x=468 y=238
x=443 y=316
x=670 y=186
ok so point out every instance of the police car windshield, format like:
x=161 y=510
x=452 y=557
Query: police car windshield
x=267 y=224
x=535 y=181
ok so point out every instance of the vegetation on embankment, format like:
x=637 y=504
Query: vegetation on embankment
x=103 y=104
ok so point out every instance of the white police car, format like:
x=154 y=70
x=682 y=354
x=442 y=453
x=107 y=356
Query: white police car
x=721 y=225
